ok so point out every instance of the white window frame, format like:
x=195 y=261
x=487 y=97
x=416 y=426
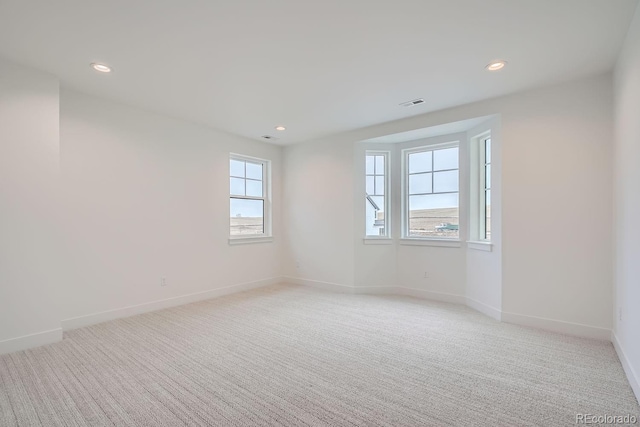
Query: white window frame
x=477 y=184
x=266 y=236
x=387 y=196
x=406 y=238
x=477 y=214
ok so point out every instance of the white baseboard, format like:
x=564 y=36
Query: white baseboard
x=375 y=290
x=559 y=326
x=327 y=286
x=569 y=328
x=484 y=308
x=436 y=296
x=92 y=319
x=634 y=379
x=30 y=341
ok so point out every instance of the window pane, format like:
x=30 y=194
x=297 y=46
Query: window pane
x=370 y=161
x=254 y=188
x=237 y=186
x=254 y=170
x=379 y=165
x=433 y=215
x=247 y=217
x=445 y=159
x=379 y=185
x=487 y=215
x=420 y=183
x=370 y=185
x=236 y=168
x=487 y=176
x=445 y=181
x=487 y=151
x=420 y=162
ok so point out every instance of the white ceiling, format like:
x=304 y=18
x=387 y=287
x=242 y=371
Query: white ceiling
x=317 y=67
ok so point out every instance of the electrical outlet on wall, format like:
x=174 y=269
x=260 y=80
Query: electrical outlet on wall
x=426 y=275
x=163 y=281
x=620 y=314
x=297 y=265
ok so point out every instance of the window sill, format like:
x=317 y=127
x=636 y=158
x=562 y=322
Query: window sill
x=249 y=240
x=480 y=246
x=445 y=243
x=377 y=241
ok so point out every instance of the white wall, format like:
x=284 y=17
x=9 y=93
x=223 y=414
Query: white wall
x=146 y=197
x=557 y=261
x=556 y=234
x=29 y=218
x=627 y=204
x=319 y=201
x=99 y=201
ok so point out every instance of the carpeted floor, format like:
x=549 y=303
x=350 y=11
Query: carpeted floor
x=295 y=356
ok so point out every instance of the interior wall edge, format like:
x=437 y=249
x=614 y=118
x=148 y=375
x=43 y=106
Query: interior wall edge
x=484 y=308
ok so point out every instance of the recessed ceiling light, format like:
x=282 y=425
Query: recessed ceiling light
x=496 y=65
x=280 y=128
x=100 y=67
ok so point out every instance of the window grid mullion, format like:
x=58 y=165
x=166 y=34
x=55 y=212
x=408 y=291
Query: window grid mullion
x=440 y=170
x=235 y=196
x=245 y=178
x=429 y=194
x=433 y=166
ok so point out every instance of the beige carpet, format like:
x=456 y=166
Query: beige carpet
x=295 y=356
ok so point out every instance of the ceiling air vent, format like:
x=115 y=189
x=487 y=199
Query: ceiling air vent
x=269 y=137
x=412 y=103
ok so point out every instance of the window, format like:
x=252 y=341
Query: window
x=249 y=197
x=485 y=188
x=431 y=187
x=377 y=197
x=480 y=184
